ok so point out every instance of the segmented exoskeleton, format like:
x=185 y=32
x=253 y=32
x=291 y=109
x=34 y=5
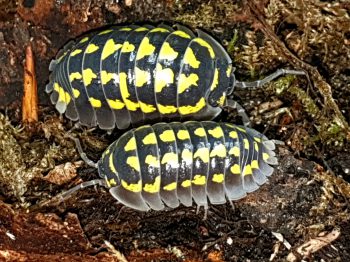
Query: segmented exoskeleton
x=166 y=164
x=134 y=74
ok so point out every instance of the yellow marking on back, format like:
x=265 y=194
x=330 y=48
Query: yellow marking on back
x=63 y=96
x=185 y=82
x=199 y=180
x=125 y=29
x=255 y=164
x=246 y=143
x=235 y=169
x=170 y=187
x=265 y=156
x=95 y=102
x=141 y=77
x=233 y=134
x=234 y=151
x=145 y=49
x=200 y=132
x=256 y=147
x=203 y=154
x=153 y=188
x=190 y=58
x=247 y=170
x=183 y=134
x=88 y=76
x=150 y=139
x=133 y=162
x=61 y=57
x=110 y=48
x=115 y=104
x=170 y=159
x=141 y=29
x=83 y=40
x=111 y=164
x=127 y=47
x=219 y=150
x=137 y=187
x=215 y=80
x=186 y=183
x=204 y=43
x=106 y=77
x=181 y=34
x=130 y=105
x=167 y=136
x=75 y=52
x=222 y=100
x=166 y=109
x=159 y=29
x=257 y=139
x=76 y=93
x=130 y=145
x=167 y=52
x=218 y=178
x=163 y=77
x=147 y=108
x=91 y=48
x=152 y=161
x=105 y=32
x=75 y=75
x=229 y=70
x=112 y=182
x=216 y=132
x=241 y=129
x=186 y=110
x=187 y=156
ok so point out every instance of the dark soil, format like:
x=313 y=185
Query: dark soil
x=307 y=198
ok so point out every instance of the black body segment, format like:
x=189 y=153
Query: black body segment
x=126 y=72
x=91 y=73
x=127 y=75
x=110 y=75
x=167 y=73
x=145 y=70
x=147 y=151
x=85 y=110
x=167 y=164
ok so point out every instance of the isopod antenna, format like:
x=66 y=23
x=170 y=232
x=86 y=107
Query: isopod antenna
x=269 y=78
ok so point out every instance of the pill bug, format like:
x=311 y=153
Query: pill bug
x=166 y=164
x=141 y=74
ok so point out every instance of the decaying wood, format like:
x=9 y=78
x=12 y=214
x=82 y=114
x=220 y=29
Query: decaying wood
x=30 y=91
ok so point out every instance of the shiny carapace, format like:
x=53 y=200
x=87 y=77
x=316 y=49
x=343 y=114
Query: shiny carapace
x=140 y=74
x=168 y=164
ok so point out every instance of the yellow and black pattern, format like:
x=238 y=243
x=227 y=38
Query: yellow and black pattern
x=132 y=74
x=167 y=164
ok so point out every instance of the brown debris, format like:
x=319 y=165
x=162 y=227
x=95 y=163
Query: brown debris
x=314 y=244
x=30 y=91
x=63 y=173
x=39 y=13
x=43 y=237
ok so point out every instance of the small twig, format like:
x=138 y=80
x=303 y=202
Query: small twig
x=30 y=90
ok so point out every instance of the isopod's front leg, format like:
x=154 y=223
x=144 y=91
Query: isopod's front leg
x=240 y=110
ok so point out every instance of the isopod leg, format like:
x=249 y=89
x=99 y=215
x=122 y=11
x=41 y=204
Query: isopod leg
x=241 y=112
x=269 y=78
x=82 y=153
x=69 y=192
